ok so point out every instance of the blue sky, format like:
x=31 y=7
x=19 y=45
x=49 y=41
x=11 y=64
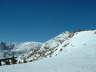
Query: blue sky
x=40 y=20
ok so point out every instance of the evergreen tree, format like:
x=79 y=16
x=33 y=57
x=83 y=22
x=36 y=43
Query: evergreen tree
x=13 y=60
x=0 y=63
x=7 y=62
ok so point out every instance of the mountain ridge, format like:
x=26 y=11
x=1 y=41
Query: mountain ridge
x=33 y=51
x=63 y=53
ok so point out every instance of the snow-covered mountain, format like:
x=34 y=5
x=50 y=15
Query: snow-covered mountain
x=48 y=49
x=67 y=52
x=9 y=49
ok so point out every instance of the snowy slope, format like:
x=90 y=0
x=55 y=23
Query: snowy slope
x=78 y=54
x=50 y=48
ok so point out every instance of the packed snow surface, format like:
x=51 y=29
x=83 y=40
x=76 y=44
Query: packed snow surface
x=71 y=52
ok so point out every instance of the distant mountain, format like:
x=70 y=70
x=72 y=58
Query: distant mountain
x=9 y=49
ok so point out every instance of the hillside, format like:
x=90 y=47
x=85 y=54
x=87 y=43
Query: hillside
x=67 y=52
